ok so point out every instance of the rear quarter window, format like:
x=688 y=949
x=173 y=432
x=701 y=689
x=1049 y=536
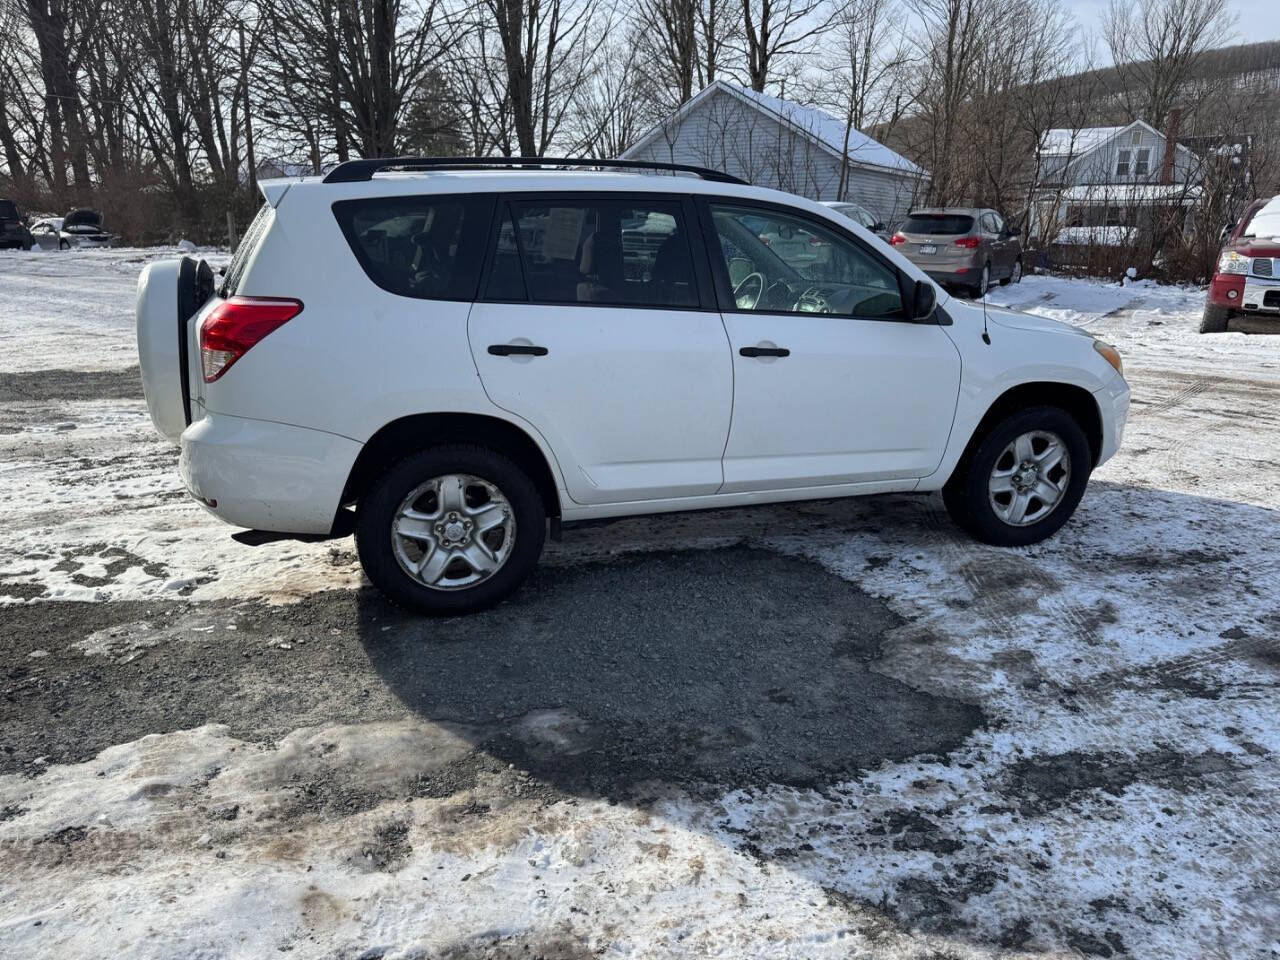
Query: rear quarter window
x=244 y=250
x=426 y=247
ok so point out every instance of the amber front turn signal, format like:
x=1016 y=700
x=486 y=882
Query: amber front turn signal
x=1111 y=354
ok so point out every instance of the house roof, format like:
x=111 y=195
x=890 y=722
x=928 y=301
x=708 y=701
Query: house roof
x=1065 y=142
x=817 y=125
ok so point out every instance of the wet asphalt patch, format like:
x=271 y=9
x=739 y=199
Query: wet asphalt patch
x=591 y=679
x=41 y=386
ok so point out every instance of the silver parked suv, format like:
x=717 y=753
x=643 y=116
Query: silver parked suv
x=964 y=247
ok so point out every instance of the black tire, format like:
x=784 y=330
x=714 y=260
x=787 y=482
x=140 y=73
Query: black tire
x=1015 y=274
x=1214 y=319
x=374 y=541
x=63 y=245
x=979 y=290
x=966 y=494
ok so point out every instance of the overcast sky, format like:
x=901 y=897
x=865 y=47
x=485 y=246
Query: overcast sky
x=1256 y=20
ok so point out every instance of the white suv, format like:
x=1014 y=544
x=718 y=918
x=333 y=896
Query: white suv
x=448 y=356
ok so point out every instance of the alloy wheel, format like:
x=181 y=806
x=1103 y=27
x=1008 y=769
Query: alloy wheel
x=1029 y=478
x=453 y=532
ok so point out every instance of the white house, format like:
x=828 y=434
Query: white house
x=775 y=143
x=1100 y=184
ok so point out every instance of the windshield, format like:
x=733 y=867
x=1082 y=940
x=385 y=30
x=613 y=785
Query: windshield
x=1265 y=223
x=938 y=223
x=8 y=210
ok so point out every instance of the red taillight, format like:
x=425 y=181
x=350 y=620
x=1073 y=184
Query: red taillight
x=969 y=243
x=234 y=326
x=896 y=239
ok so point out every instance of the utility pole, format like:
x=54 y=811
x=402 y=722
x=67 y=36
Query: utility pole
x=248 y=123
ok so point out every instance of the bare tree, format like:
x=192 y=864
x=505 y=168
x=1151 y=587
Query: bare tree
x=667 y=33
x=865 y=80
x=1157 y=46
x=610 y=113
x=773 y=30
x=352 y=67
x=950 y=47
x=547 y=55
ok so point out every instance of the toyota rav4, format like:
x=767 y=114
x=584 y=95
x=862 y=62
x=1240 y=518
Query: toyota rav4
x=451 y=357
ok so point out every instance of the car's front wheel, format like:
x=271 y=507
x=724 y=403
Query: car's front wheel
x=1214 y=319
x=1015 y=275
x=1023 y=480
x=450 y=530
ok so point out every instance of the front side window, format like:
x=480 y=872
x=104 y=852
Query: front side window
x=1122 y=163
x=780 y=263
x=427 y=247
x=608 y=252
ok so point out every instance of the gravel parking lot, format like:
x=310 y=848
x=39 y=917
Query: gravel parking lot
x=830 y=729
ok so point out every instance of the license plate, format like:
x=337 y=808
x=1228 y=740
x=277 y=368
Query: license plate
x=928 y=248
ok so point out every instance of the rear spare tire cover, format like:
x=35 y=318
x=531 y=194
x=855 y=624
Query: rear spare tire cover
x=162 y=349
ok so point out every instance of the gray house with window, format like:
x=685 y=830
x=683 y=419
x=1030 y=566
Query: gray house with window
x=775 y=143
x=1103 y=184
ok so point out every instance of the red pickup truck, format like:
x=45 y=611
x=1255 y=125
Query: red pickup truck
x=1246 y=280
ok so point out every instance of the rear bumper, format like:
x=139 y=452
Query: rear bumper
x=264 y=475
x=1113 y=406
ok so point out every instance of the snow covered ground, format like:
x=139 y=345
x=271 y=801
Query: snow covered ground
x=818 y=730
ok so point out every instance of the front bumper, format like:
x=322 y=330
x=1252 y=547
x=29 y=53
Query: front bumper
x=265 y=475
x=1261 y=295
x=1113 y=407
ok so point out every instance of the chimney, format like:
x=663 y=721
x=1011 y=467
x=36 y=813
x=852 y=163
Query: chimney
x=1171 y=144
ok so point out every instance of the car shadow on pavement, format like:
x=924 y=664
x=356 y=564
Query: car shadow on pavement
x=726 y=667
x=611 y=674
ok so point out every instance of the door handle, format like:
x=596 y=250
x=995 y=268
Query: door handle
x=765 y=352
x=517 y=349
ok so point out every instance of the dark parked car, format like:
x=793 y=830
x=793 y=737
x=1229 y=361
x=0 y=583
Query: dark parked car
x=964 y=247
x=13 y=227
x=859 y=214
x=1246 y=279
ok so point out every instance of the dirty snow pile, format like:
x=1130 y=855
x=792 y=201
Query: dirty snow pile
x=1116 y=795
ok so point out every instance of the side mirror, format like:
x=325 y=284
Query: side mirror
x=924 y=300
x=878 y=227
x=1014 y=231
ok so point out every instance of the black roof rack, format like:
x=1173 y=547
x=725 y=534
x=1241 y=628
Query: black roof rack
x=357 y=171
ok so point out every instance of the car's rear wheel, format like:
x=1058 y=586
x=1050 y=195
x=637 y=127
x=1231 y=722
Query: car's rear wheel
x=450 y=530
x=984 y=282
x=1214 y=319
x=1023 y=480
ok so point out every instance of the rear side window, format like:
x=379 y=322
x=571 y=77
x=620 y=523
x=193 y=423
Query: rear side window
x=609 y=252
x=8 y=210
x=938 y=223
x=427 y=247
x=244 y=250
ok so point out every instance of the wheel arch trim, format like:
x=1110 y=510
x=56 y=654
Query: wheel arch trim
x=415 y=432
